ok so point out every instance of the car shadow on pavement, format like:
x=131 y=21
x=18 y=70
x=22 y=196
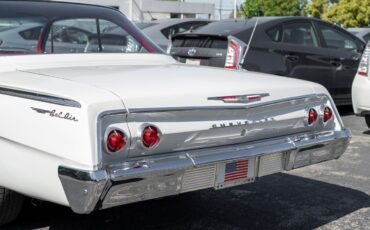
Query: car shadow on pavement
x=279 y=201
x=366 y=132
x=345 y=110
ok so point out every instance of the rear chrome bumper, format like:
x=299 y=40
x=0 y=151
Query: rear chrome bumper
x=171 y=174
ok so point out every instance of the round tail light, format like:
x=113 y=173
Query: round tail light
x=328 y=114
x=116 y=140
x=151 y=136
x=312 y=116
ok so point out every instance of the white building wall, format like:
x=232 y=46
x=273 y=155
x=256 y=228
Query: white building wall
x=223 y=8
x=146 y=9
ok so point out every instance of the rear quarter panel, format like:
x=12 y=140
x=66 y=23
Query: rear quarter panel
x=33 y=144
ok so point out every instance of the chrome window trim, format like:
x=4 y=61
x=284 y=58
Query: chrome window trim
x=39 y=97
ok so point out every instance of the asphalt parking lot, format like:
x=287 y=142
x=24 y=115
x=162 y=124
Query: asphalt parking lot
x=330 y=195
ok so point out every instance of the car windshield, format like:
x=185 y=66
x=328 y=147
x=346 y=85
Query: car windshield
x=20 y=35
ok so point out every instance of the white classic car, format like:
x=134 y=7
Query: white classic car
x=94 y=131
x=361 y=88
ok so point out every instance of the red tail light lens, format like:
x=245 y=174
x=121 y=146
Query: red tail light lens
x=312 y=116
x=151 y=137
x=328 y=114
x=116 y=141
x=232 y=56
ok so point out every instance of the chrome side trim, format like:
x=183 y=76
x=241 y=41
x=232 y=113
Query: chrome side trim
x=191 y=108
x=40 y=97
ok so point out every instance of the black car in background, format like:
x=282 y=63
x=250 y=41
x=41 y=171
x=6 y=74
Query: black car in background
x=298 y=47
x=161 y=30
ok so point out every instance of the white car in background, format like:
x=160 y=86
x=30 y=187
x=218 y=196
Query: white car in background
x=361 y=87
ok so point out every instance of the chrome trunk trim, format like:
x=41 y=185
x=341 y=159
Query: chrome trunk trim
x=202 y=108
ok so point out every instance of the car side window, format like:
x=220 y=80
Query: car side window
x=90 y=36
x=275 y=33
x=336 y=39
x=300 y=33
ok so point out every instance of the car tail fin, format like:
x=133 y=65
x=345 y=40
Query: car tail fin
x=235 y=53
x=363 y=69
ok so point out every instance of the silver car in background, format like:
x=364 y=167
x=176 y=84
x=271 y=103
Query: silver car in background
x=362 y=33
x=19 y=36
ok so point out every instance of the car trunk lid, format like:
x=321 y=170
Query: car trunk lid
x=191 y=105
x=199 y=49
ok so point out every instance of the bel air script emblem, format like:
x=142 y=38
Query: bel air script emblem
x=192 y=52
x=56 y=114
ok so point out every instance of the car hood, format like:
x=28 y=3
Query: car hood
x=157 y=81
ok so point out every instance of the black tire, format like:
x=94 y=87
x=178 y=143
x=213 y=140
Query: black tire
x=367 y=119
x=10 y=205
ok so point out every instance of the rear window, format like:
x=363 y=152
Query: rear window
x=90 y=36
x=19 y=35
x=182 y=28
x=227 y=27
x=200 y=42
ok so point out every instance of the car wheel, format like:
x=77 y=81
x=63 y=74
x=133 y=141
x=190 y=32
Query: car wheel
x=367 y=119
x=10 y=205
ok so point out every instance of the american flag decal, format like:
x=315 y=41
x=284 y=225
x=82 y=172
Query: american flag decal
x=236 y=170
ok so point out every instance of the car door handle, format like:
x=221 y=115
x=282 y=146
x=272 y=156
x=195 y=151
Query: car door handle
x=292 y=58
x=335 y=63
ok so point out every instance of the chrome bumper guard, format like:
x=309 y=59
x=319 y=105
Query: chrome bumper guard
x=170 y=174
